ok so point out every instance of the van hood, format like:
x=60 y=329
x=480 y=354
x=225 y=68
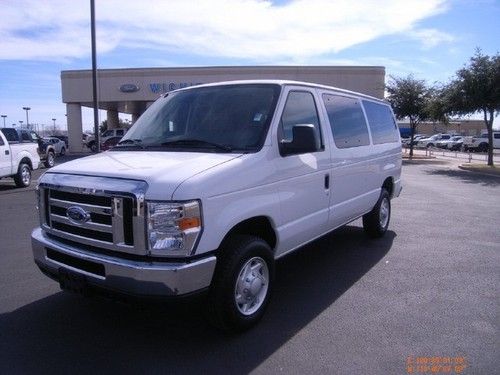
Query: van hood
x=163 y=171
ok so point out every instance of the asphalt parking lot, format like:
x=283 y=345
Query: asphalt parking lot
x=342 y=305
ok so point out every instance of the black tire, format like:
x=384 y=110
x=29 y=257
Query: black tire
x=23 y=175
x=224 y=312
x=429 y=145
x=483 y=147
x=376 y=222
x=50 y=161
x=63 y=151
x=93 y=146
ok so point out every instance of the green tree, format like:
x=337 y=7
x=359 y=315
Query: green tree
x=476 y=89
x=409 y=98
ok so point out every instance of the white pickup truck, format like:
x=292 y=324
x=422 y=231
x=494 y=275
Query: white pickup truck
x=211 y=185
x=480 y=143
x=17 y=160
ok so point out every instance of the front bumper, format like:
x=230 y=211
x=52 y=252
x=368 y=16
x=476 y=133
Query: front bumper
x=137 y=278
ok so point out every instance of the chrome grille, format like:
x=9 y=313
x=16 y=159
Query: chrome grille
x=113 y=211
x=100 y=208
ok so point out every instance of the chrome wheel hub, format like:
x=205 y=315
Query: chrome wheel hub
x=251 y=286
x=25 y=175
x=384 y=212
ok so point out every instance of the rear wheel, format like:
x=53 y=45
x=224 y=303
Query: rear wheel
x=376 y=222
x=242 y=283
x=23 y=176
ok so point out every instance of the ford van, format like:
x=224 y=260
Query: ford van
x=211 y=185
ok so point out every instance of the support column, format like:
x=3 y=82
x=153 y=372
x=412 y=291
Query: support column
x=75 y=128
x=113 y=121
x=135 y=116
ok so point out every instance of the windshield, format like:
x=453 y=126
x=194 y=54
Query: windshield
x=217 y=119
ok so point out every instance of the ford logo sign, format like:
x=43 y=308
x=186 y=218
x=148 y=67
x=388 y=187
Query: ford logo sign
x=77 y=215
x=129 y=87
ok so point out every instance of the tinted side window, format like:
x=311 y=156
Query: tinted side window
x=1 y=141
x=496 y=136
x=300 y=109
x=382 y=124
x=347 y=121
x=10 y=134
x=119 y=132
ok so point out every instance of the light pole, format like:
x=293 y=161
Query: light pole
x=54 y=124
x=21 y=123
x=27 y=121
x=4 y=116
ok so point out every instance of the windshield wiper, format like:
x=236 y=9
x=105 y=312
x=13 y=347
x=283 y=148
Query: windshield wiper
x=131 y=142
x=199 y=143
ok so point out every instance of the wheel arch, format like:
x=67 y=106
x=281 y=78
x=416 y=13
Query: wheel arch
x=388 y=185
x=259 y=226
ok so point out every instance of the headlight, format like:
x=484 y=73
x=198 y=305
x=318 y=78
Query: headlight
x=173 y=227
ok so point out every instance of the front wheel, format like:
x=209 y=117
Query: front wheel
x=242 y=283
x=376 y=222
x=23 y=176
x=51 y=160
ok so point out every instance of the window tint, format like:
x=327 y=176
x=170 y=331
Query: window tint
x=497 y=135
x=347 y=121
x=10 y=134
x=382 y=124
x=1 y=141
x=119 y=132
x=300 y=109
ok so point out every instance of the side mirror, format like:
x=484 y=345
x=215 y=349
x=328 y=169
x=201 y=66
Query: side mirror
x=303 y=140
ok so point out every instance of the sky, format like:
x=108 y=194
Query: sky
x=430 y=39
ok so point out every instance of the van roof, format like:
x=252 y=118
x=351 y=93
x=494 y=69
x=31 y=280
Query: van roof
x=283 y=83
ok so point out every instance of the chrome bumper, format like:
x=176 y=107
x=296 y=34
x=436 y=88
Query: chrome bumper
x=121 y=275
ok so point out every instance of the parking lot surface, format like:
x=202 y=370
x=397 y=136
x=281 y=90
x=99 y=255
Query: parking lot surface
x=342 y=305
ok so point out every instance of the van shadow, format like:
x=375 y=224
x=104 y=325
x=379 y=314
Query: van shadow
x=64 y=332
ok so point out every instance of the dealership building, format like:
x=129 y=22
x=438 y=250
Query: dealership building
x=131 y=91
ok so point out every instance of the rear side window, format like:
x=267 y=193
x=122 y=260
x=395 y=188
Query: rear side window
x=347 y=121
x=497 y=135
x=382 y=124
x=10 y=134
x=300 y=109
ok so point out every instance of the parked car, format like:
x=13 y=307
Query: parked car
x=432 y=140
x=416 y=138
x=90 y=141
x=59 y=145
x=455 y=143
x=110 y=143
x=480 y=143
x=212 y=185
x=46 y=150
x=63 y=138
x=18 y=159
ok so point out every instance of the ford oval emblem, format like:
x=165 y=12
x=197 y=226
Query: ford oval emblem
x=129 y=87
x=77 y=215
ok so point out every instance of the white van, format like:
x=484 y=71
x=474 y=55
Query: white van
x=211 y=185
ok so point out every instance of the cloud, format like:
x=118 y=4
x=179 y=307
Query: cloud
x=431 y=38
x=257 y=30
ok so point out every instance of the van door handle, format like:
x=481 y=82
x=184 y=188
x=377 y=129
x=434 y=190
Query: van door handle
x=7 y=152
x=327 y=181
